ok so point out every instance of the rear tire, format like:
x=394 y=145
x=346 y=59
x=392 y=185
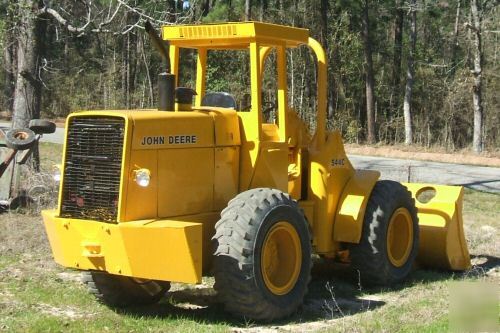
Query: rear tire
x=262 y=263
x=122 y=291
x=389 y=240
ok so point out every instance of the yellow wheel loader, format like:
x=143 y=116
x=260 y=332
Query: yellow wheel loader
x=149 y=197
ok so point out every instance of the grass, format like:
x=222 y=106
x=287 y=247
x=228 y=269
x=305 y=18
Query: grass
x=37 y=295
x=51 y=154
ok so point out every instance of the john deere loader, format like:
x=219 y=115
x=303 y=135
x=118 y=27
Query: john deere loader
x=149 y=197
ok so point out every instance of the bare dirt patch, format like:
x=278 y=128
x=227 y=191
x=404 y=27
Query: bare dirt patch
x=67 y=312
x=437 y=154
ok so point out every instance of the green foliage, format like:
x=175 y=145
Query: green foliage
x=228 y=71
x=220 y=13
x=118 y=69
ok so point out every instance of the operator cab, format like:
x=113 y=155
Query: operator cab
x=273 y=138
x=246 y=45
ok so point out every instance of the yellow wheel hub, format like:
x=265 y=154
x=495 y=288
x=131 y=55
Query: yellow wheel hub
x=281 y=258
x=400 y=237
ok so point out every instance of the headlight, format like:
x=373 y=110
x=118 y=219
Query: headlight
x=56 y=174
x=142 y=177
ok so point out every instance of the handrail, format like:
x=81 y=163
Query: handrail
x=318 y=50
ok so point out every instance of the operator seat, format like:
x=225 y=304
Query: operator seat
x=220 y=99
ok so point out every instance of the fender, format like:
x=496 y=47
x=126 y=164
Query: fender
x=348 y=222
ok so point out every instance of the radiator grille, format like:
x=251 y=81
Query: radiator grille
x=92 y=168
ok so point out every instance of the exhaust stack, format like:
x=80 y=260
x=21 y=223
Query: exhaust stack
x=166 y=80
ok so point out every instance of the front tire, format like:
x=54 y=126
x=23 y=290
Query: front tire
x=122 y=291
x=389 y=240
x=262 y=263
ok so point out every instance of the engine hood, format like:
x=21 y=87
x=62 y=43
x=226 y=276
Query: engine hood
x=152 y=129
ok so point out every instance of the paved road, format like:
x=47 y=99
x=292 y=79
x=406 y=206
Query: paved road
x=56 y=137
x=475 y=177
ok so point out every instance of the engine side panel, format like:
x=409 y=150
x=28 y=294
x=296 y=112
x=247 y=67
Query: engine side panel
x=185 y=181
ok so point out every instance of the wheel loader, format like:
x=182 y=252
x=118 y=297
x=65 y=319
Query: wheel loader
x=150 y=197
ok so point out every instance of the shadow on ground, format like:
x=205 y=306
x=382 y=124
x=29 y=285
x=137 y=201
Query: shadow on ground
x=329 y=297
x=333 y=292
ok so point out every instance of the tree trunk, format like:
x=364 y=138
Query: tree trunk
x=205 y=8
x=263 y=8
x=324 y=7
x=455 y=40
x=477 y=143
x=146 y=67
x=28 y=87
x=410 y=74
x=127 y=71
x=323 y=34
x=369 y=79
x=248 y=10
x=10 y=57
x=282 y=15
x=323 y=37
x=27 y=95
x=396 y=60
x=172 y=10
x=10 y=70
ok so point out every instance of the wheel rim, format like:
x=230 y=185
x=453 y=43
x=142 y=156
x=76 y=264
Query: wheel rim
x=400 y=237
x=281 y=258
x=21 y=136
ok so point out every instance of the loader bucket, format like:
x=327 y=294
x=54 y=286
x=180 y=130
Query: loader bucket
x=442 y=240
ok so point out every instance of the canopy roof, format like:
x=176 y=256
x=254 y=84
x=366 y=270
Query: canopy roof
x=233 y=35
